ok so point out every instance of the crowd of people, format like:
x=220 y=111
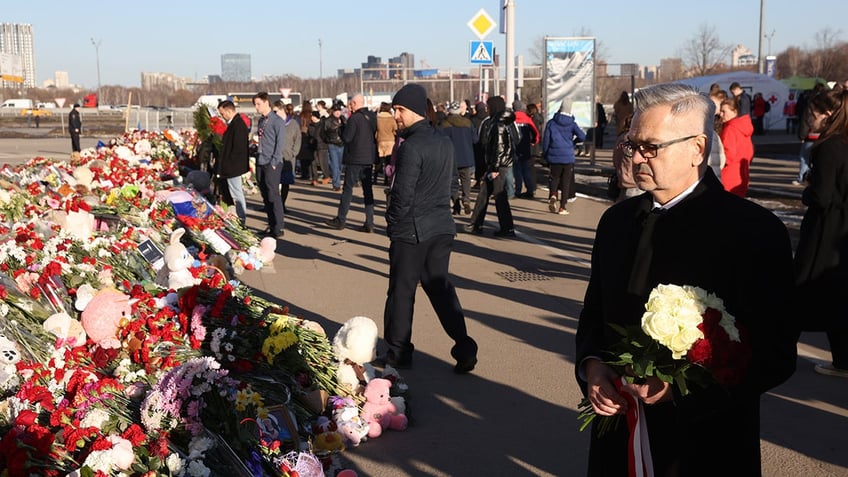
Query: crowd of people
x=683 y=163
x=498 y=150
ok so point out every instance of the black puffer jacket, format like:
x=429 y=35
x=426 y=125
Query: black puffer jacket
x=420 y=197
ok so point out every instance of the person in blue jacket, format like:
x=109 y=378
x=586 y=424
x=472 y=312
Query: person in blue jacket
x=561 y=132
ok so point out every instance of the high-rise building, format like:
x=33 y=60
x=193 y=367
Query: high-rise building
x=16 y=39
x=163 y=80
x=61 y=79
x=235 y=67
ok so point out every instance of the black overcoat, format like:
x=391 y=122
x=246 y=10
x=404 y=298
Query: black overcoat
x=821 y=258
x=234 y=149
x=723 y=244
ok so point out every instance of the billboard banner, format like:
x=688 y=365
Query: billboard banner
x=11 y=67
x=570 y=78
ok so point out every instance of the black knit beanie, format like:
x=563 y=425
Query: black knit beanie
x=412 y=97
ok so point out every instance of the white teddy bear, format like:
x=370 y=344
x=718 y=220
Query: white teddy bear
x=178 y=261
x=9 y=357
x=355 y=347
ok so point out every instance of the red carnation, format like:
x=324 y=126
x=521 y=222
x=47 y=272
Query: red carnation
x=134 y=434
x=26 y=418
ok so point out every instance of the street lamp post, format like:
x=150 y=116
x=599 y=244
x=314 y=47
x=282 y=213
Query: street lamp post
x=97 y=44
x=760 y=60
x=321 y=67
x=770 y=36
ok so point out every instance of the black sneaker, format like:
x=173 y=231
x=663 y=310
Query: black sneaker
x=334 y=223
x=367 y=229
x=465 y=366
x=505 y=233
x=465 y=354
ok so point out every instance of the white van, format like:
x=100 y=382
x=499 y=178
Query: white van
x=17 y=103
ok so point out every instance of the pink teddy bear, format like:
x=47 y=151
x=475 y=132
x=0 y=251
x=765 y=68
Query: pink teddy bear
x=379 y=411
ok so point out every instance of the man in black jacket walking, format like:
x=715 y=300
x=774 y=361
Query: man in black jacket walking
x=498 y=138
x=421 y=230
x=360 y=152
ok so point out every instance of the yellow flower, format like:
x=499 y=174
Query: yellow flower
x=279 y=325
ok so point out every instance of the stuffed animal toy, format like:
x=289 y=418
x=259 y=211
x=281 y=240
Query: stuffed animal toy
x=355 y=346
x=379 y=411
x=350 y=424
x=9 y=357
x=267 y=249
x=326 y=436
x=104 y=314
x=66 y=329
x=178 y=261
x=84 y=178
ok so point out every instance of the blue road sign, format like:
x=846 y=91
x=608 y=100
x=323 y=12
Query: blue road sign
x=481 y=52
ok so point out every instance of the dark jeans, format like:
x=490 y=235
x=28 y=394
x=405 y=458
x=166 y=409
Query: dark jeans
x=426 y=262
x=268 y=179
x=758 y=126
x=496 y=187
x=352 y=174
x=464 y=174
x=523 y=169
x=562 y=178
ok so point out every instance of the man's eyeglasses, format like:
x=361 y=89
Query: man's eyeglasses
x=648 y=150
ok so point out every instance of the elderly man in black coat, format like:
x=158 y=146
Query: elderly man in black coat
x=704 y=237
x=421 y=230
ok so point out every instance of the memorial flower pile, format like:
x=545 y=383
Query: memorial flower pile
x=104 y=369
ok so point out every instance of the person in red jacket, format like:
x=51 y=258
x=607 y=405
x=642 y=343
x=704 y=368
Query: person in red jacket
x=528 y=138
x=738 y=148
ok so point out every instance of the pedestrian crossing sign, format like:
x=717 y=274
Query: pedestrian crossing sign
x=482 y=52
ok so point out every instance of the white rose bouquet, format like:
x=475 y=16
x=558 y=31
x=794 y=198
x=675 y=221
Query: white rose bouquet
x=686 y=337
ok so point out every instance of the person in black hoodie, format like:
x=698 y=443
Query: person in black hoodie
x=421 y=230
x=498 y=139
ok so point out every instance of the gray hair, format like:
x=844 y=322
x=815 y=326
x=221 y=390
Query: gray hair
x=682 y=99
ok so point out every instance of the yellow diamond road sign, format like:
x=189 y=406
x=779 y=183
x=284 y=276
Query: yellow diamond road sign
x=481 y=24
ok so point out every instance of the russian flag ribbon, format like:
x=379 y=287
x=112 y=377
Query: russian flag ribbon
x=639 y=462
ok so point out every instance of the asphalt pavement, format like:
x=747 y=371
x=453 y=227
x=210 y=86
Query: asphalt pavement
x=515 y=414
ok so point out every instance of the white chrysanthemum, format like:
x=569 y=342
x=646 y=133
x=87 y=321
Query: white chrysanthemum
x=174 y=463
x=197 y=469
x=198 y=446
x=95 y=418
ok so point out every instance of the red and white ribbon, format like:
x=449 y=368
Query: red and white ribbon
x=639 y=462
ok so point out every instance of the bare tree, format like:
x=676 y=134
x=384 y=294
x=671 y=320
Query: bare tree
x=704 y=53
x=824 y=62
x=788 y=62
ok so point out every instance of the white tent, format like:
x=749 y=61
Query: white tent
x=774 y=91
